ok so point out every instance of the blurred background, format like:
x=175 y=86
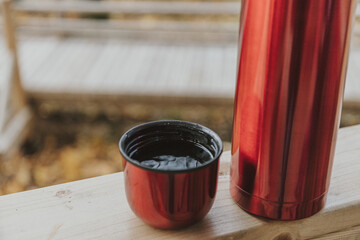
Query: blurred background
x=76 y=74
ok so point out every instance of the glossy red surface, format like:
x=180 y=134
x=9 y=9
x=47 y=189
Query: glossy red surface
x=292 y=64
x=170 y=200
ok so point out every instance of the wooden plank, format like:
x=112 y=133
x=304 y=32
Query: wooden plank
x=9 y=30
x=125 y=74
x=98 y=74
x=121 y=72
x=173 y=82
x=18 y=97
x=168 y=69
x=14 y=133
x=96 y=208
x=49 y=75
x=197 y=68
x=73 y=64
x=352 y=233
x=352 y=85
x=33 y=56
x=168 y=36
x=141 y=79
x=162 y=69
x=183 y=82
x=135 y=7
x=71 y=25
x=80 y=64
x=5 y=89
x=211 y=82
x=107 y=98
x=230 y=69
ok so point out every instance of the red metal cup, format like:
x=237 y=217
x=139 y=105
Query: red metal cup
x=170 y=199
x=292 y=65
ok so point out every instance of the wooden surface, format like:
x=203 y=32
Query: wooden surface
x=128 y=68
x=96 y=208
x=115 y=67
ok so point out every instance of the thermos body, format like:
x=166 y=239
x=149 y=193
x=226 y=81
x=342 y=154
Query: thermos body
x=292 y=64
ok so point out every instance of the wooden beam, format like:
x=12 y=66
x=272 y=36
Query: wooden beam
x=100 y=25
x=210 y=31
x=134 y=7
x=5 y=88
x=18 y=95
x=16 y=130
x=105 y=100
x=145 y=35
x=96 y=208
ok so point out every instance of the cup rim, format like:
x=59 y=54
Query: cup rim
x=197 y=126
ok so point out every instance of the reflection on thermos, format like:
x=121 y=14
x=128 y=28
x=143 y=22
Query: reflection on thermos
x=291 y=72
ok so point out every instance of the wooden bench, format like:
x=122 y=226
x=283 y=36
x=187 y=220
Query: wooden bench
x=96 y=208
x=109 y=65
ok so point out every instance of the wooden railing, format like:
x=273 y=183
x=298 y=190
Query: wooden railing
x=174 y=20
x=5 y=88
x=134 y=7
x=10 y=37
x=96 y=208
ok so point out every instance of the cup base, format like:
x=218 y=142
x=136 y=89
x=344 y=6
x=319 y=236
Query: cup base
x=275 y=210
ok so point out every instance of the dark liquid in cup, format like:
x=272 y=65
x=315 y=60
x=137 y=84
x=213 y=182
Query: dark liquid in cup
x=172 y=155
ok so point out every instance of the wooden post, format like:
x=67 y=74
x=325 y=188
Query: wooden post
x=17 y=95
x=15 y=116
x=5 y=89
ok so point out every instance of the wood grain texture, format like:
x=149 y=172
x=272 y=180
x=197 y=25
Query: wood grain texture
x=96 y=208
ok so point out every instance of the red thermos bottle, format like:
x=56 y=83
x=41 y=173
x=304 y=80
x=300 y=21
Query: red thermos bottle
x=291 y=71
